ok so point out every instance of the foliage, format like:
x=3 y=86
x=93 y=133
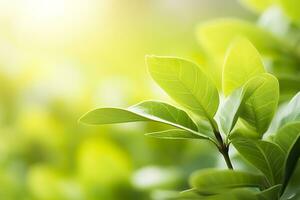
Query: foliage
x=230 y=101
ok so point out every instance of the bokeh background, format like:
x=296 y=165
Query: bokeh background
x=61 y=58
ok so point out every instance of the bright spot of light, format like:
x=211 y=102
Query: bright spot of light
x=46 y=10
x=153 y=176
x=56 y=20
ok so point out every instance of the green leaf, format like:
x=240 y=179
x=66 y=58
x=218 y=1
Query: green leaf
x=270 y=193
x=164 y=112
x=110 y=116
x=175 y=134
x=242 y=62
x=216 y=35
x=227 y=114
x=265 y=156
x=262 y=95
x=211 y=181
x=255 y=103
x=145 y=111
x=186 y=83
x=288 y=138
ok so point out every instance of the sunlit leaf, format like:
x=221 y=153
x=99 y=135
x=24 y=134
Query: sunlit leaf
x=259 y=108
x=216 y=35
x=265 y=156
x=212 y=181
x=186 y=83
x=242 y=62
x=156 y=110
x=255 y=103
x=145 y=111
x=227 y=114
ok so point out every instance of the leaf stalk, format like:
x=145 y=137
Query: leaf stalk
x=223 y=149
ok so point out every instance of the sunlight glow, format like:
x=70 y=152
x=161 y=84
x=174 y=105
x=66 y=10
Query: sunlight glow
x=46 y=21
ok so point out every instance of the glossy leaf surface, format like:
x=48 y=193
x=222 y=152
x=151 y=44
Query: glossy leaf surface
x=186 y=83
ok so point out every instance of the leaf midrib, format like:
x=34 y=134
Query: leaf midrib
x=154 y=118
x=193 y=95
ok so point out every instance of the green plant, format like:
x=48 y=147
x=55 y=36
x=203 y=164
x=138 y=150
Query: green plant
x=231 y=101
x=241 y=119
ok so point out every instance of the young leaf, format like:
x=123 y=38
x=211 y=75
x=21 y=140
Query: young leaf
x=262 y=95
x=227 y=114
x=216 y=35
x=288 y=138
x=265 y=156
x=255 y=102
x=186 y=83
x=242 y=62
x=270 y=193
x=145 y=111
x=211 y=181
x=176 y=134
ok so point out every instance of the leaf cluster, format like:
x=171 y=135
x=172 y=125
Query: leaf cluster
x=230 y=101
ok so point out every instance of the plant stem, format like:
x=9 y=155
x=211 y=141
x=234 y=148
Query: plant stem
x=223 y=149
x=227 y=158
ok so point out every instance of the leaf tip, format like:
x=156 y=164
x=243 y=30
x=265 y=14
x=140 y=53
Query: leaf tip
x=83 y=119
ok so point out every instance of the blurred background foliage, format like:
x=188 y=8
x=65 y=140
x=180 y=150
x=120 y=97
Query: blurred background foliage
x=60 y=58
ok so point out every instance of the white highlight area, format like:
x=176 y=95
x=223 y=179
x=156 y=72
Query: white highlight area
x=46 y=21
